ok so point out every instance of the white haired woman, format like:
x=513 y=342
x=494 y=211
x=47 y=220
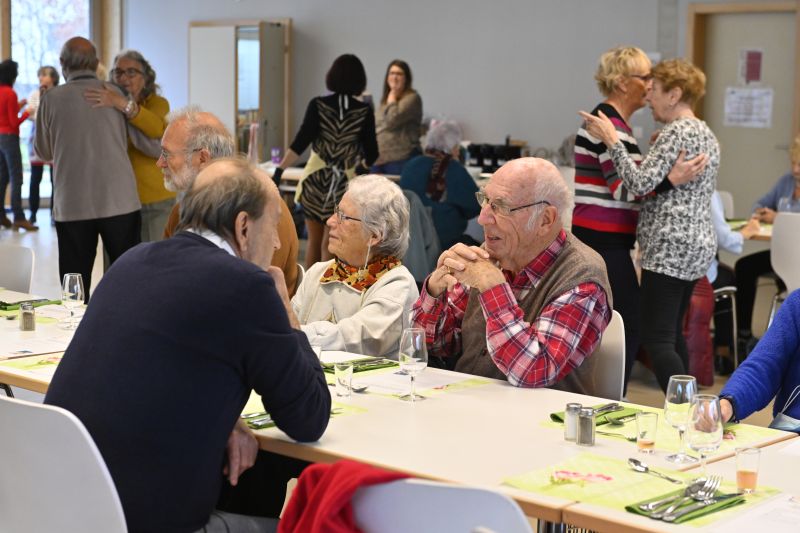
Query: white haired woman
x=442 y=183
x=360 y=301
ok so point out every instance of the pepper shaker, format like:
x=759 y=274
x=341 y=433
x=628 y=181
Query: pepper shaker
x=585 y=435
x=571 y=421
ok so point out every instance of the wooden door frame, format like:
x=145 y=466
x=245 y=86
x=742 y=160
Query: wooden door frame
x=696 y=21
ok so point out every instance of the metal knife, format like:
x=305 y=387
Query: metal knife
x=608 y=408
x=705 y=503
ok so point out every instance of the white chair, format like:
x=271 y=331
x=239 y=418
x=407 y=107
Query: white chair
x=301 y=273
x=53 y=477
x=785 y=255
x=609 y=360
x=426 y=506
x=727 y=204
x=16 y=267
x=729 y=293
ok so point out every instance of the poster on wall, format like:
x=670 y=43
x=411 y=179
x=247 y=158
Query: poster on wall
x=747 y=107
x=750 y=63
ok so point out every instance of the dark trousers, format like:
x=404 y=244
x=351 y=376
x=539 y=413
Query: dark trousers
x=261 y=489
x=625 y=293
x=723 y=318
x=77 y=242
x=664 y=301
x=748 y=269
x=37 y=172
x=11 y=172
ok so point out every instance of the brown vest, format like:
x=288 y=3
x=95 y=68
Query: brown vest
x=576 y=264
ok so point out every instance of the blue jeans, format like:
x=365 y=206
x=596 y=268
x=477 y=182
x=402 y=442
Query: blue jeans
x=11 y=170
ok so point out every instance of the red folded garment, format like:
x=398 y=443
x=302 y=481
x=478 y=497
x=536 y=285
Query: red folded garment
x=321 y=500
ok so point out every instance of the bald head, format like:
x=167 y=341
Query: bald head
x=537 y=179
x=78 y=53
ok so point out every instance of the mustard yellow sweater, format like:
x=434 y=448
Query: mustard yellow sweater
x=152 y=121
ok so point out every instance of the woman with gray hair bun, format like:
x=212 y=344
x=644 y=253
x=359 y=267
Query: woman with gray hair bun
x=360 y=301
x=442 y=183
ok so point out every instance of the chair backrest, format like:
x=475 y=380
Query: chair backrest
x=784 y=251
x=301 y=273
x=609 y=364
x=53 y=477
x=16 y=267
x=727 y=204
x=423 y=243
x=418 y=505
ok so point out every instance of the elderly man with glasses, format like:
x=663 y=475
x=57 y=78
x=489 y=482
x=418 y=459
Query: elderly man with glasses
x=192 y=140
x=531 y=304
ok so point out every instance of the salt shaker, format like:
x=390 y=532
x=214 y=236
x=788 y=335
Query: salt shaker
x=27 y=317
x=585 y=434
x=571 y=421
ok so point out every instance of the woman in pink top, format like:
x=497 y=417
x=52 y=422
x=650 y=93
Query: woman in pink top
x=10 y=155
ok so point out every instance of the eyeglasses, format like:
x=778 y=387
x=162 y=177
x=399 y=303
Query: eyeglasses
x=341 y=217
x=499 y=207
x=644 y=77
x=167 y=155
x=129 y=72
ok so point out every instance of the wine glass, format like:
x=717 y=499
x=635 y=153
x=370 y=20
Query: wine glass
x=705 y=426
x=413 y=358
x=72 y=297
x=680 y=392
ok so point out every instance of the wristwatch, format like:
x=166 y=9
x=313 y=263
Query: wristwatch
x=130 y=107
x=731 y=401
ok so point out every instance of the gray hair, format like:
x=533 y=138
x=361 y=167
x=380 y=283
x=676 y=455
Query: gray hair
x=549 y=185
x=203 y=133
x=78 y=54
x=214 y=205
x=443 y=136
x=384 y=212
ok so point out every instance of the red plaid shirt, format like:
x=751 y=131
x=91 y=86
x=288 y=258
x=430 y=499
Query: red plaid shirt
x=536 y=354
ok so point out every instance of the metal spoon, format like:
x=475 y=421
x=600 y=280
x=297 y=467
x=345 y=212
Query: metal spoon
x=620 y=435
x=691 y=490
x=639 y=466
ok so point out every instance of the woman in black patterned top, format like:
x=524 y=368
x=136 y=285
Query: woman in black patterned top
x=675 y=231
x=341 y=132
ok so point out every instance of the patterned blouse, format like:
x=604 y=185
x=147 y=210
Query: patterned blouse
x=675 y=231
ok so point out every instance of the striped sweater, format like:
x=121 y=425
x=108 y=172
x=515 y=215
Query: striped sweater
x=602 y=202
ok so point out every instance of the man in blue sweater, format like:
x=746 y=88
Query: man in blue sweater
x=772 y=370
x=176 y=336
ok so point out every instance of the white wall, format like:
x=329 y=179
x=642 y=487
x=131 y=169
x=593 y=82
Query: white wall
x=518 y=67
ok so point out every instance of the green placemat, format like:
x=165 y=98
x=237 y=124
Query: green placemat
x=667 y=438
x=588 y=477
x=15 y=316
x=14 y=306
x=609 y=482
x=707 y=515
x=35 y=363
x=626 y=412
x=364 y=366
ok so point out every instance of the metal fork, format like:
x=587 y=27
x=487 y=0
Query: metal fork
x=709 y=488
x=620 y=435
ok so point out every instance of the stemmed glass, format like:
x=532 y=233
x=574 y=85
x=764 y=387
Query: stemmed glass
x=705 y=426
x=680 y=392
x=72 y=297
x=413 y=358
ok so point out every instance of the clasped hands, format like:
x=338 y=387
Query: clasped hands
x=468 y=265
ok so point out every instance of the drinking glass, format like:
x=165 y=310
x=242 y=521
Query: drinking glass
x=705 y=426
x=646 y=428
x=787 y=204
x=747 y=469
x=678 y=402
x=413 y=358
x=72 y=297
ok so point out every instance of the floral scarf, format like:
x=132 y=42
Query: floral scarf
x=357 y=278
x=437 y=182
